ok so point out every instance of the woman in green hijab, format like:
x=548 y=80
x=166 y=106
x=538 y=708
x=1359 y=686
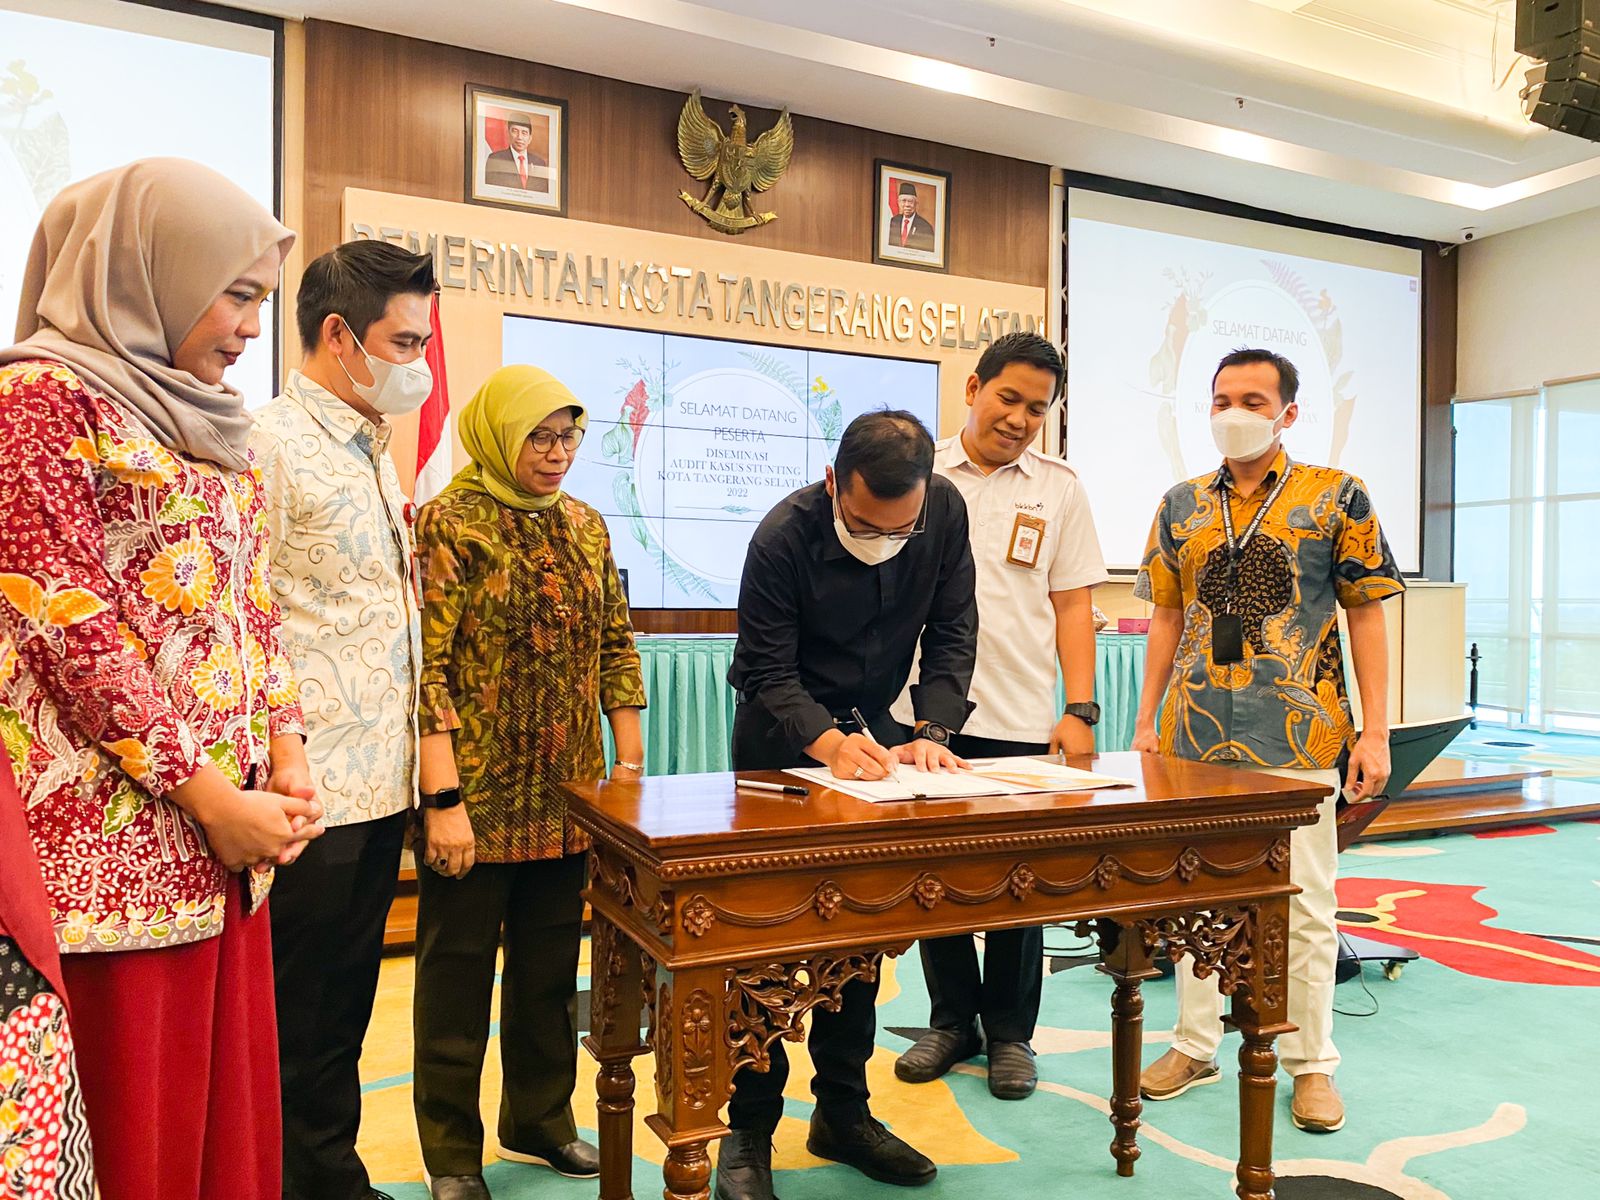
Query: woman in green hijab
x=525 y=639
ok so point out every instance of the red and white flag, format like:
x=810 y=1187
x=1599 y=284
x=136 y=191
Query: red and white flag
x=433 y=429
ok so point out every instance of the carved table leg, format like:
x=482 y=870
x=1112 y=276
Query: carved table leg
x=1259 y=1012
x=693 y=1079
x=687 y=1172
x=1126 y=959
x=615 y=997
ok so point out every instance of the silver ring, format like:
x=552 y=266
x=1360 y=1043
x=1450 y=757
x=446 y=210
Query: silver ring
x=860 y=771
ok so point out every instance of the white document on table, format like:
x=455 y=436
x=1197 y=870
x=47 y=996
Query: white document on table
x=989 y=777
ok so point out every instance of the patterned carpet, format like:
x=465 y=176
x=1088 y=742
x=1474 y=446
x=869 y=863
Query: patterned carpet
x=1470 y=1080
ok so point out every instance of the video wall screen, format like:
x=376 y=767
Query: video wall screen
x=1158 y=293
x=87 y=85
x=692 y=441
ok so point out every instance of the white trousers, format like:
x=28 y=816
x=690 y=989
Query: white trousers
x=1313 y=953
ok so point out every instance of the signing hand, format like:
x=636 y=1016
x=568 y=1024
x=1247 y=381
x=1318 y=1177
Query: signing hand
x=448 y=845
x=930 y=756
x=1369 y=766
x=858 y=757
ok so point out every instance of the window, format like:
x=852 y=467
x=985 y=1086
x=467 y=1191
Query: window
x=1527 y=508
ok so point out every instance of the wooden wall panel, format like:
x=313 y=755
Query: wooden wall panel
x=385 y=112
x=1440 y=296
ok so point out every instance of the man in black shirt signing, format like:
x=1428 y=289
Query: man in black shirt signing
x=842 y=581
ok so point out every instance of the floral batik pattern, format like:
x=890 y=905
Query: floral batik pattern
x=135 y=647
x=44 y=1135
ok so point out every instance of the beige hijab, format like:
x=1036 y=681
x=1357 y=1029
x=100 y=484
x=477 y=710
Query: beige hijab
x=123 y=266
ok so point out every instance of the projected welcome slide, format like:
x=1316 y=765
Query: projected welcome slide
x=692 y=441
x=1158 y=294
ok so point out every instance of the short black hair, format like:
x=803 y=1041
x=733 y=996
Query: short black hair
x=1244 y=356
x=357 y=281
x=1029 y=348
x=889 y=450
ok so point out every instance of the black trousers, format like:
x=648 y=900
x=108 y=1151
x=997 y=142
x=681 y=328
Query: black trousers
x=1005 y=996
x=328 y=911
x=535 y=911
x=841 y=1042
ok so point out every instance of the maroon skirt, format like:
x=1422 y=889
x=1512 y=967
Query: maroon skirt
x=178 y=1057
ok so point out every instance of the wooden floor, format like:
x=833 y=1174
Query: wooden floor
x=1445 y=775
x=1537 y=800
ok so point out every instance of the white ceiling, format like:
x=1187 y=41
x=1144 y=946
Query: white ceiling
x=1383 y=114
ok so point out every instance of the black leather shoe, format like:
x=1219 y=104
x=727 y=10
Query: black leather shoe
x=935 y=1053
x=576 y=1160
x=859 y=1140
x=1012 y=1073
x=458 y=1187
x=744 y=1166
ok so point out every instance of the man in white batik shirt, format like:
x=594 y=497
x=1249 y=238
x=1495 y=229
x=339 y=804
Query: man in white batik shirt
x=342 y=574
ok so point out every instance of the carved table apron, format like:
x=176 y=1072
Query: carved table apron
x=751 y=908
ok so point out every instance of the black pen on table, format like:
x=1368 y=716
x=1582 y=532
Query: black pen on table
x=787 y=789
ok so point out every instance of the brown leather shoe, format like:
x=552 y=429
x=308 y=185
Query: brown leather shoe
x=1174 y=1073
x=1317 y=1107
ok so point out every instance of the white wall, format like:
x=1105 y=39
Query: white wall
x=1529 y=311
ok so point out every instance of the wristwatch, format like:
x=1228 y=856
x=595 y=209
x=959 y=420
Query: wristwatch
x=933 y=732
x=448 y=798
x=1086 y=711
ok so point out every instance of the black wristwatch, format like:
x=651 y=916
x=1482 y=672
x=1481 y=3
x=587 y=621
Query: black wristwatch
x=933 y=732
x=448 y=798
x=1086 y=711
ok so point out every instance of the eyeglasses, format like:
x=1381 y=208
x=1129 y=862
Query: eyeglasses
x=896 y=535
x=544 y=440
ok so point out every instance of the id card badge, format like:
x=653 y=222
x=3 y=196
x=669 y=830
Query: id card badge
x=1227 y=638
x=1027 y=541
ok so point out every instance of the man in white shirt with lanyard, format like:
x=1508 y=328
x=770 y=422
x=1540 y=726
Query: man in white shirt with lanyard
x=1038 y=561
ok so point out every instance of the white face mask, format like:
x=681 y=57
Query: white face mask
x=1242 y=435
x=872 y=551
x=396 y=388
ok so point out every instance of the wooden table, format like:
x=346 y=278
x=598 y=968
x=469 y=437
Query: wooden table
x=752 y=908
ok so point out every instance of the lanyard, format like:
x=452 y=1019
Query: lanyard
x=1236 y=548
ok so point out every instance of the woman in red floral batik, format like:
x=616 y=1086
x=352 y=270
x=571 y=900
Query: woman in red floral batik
x=144 y=695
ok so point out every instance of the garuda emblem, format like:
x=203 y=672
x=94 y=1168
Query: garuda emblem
x=735 y=167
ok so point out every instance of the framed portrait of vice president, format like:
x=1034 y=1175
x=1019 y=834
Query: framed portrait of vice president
x=911 y=222
x=516 y=150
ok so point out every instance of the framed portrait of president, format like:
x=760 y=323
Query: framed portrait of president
x=516 y=150
x=911 y=222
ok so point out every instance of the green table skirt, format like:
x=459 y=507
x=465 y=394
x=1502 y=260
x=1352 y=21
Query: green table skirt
x=689 y=725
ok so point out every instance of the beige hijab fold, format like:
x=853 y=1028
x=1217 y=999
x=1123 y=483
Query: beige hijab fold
x=123 y=266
